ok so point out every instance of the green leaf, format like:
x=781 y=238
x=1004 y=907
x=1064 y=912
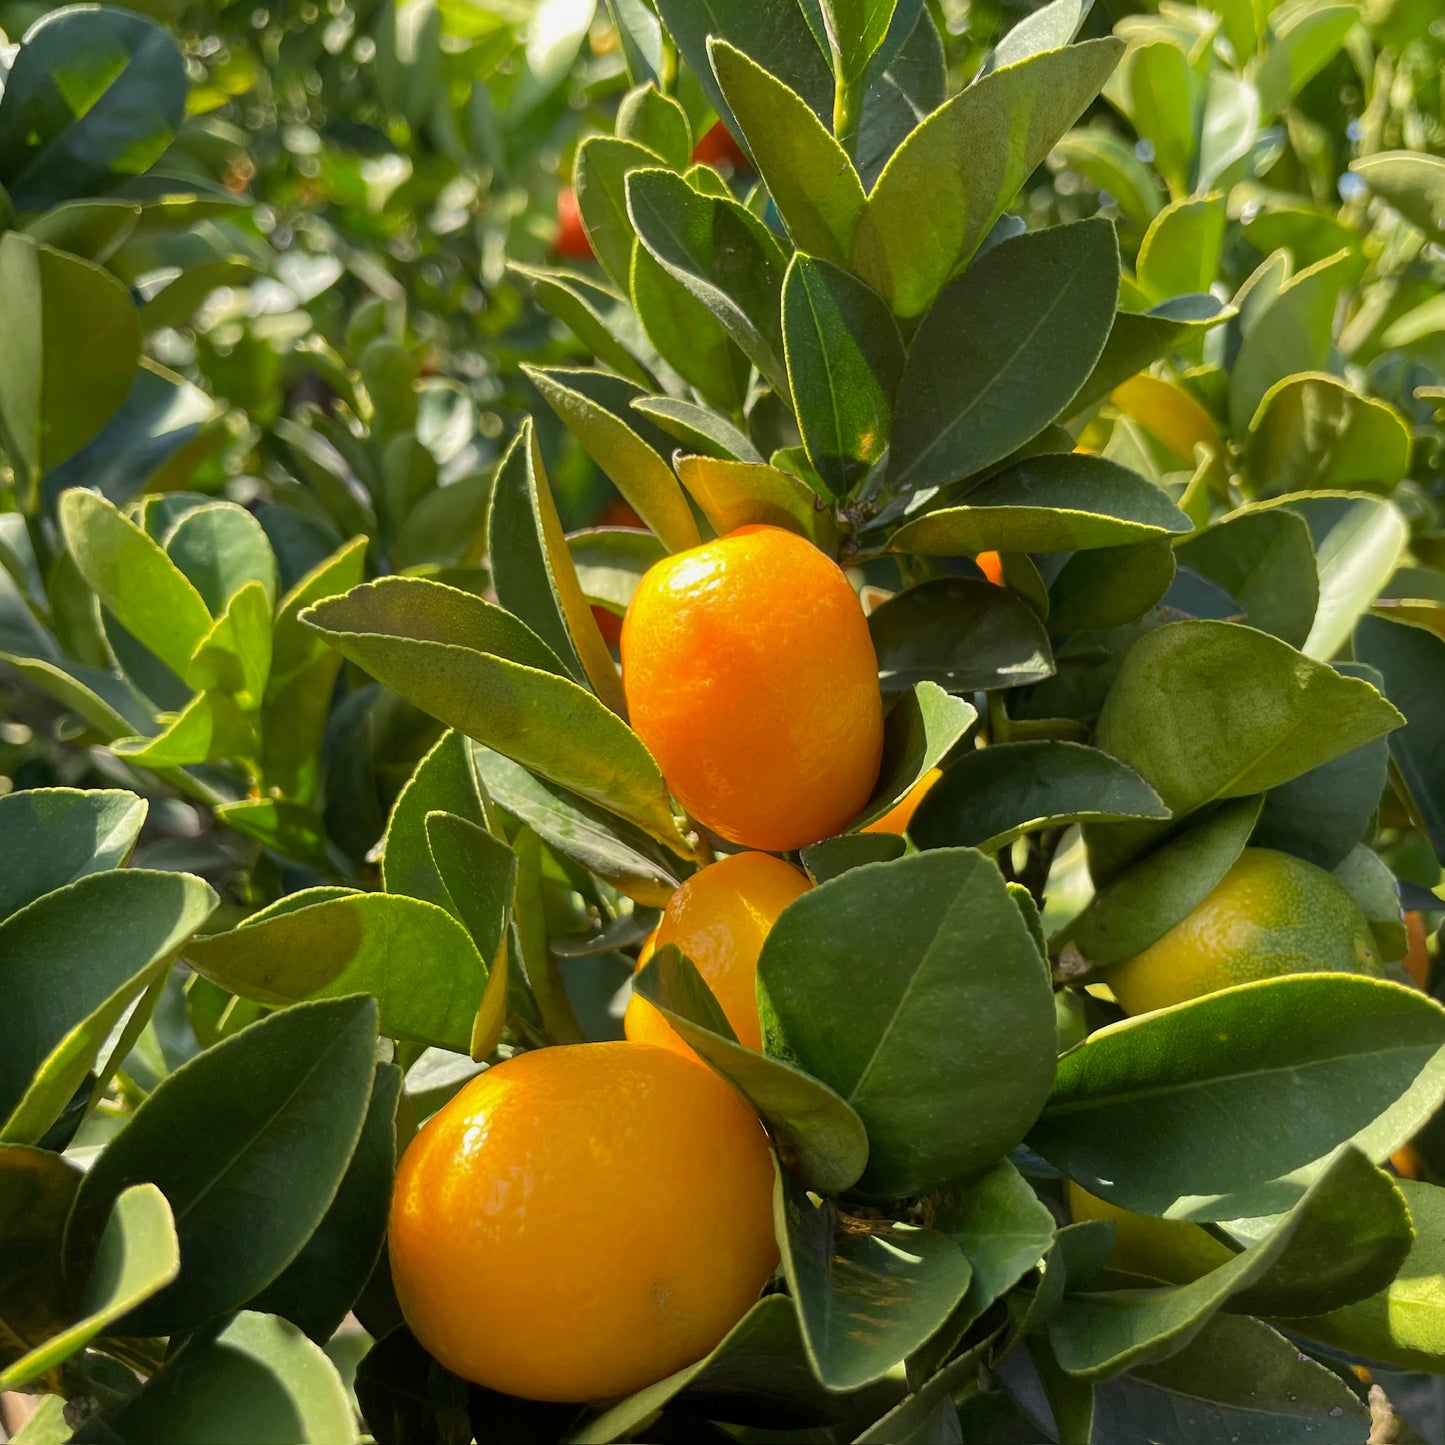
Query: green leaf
x=251 y=1376
x=961 y=633
x=532 y=570
x=1049 y=27
x=210 y=727
x=93 y=97
x=993 y=795
x=1053 y=503
x=1003 y=350
x=1291 y=333
x=297 y=704
x=1098 y=1335
x=420 y=639
x=816 y=1134
x=1227 y=1106
x=650 y=118
x=833 y=856
x=1404 y=1324
x=725 y=257
x=1236 y=1380
x=37 y=1188
x=603 y=162
x=918 y=731
x=698 y=428
x=743 y=494
x=318 y=1288
x=1304 y=39
x=1181 y=249
x=1410 y=659
x=73 y=344
x=248 y=1141
x=1139 y=338
x=291 y=829
x=480 y=876
x=807 y=173
x=1158 y=92
x=73 y=961
x=596 y=315
x=414 y=957
x=686 y=334
x=1142 y=904
x=1287 y=715
x=868 y=1293
x=134 y=578
x=1265 y=561
x=444 y=781
x=53 y=836
x=221 y=547
x=1101 y=157
x=845 y=359
x=1413 y=183
x=1358 y=542
x=611 y=561
x=937 y=1017
x=1110 y=586
x=1313 y=433
x=634 y=466
x=235 y=655
x=1367 y=878
x=952 y=178
x=137 y=1255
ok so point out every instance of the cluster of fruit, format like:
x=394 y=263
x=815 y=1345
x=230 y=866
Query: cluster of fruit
x=614 y=1201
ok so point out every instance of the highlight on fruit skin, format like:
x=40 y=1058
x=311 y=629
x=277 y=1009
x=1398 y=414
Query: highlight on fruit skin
x=719 y=919
x=1271 y=914
x=900 y=815
x=750 y=674
x=582 y=1221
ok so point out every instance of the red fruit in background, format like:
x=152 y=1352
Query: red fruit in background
x=609 y=624
x=619 y=513
x=571 y=239
x=719 y=145
x=991 y=565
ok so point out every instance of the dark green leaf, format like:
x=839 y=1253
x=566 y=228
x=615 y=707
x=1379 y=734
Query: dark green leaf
x=72 y=962
x=845 y=359
x=918 y=731
x=952 y=178
x=725 y=257
x=993 y=795
x=1110 y=586
x=414 y=957
x=867 y=1293
x=421 y=639
x=248 y=1142
x=37 y=1188
x=698 y=428
x=816 y=1134
x=409 y=1399
x=603 y=162
x=1227 y=1106
x=657 y=121
x=51 y=836
x=833 y=856
x=221 y=547
x=937 y=1024
x=1002 y=352
x=596 y=315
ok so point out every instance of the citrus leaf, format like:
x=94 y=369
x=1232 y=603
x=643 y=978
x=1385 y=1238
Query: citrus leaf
x=918 y=731
x=746 y=494
x=1414 y=184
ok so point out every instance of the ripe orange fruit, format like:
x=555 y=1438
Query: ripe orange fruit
x=719 y=919
x=717 y=144
x=1271 y=914
x=750 y=674
x=991 y=565
x=572 y=241
x=579 y=1222
x=900 y=815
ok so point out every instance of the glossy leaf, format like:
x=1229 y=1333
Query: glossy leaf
x=1002 y=351
x=73 y=961
x=746 y=494
x=414 y=957
x=944 y=1041
x=816 y=1133
x=1051 y=503
x=952 y=178
x=1109 y=586
x=808 y=174
x=420 y=639
x=221 y=547
x=845 y=359
x=1180 y=252
x=1253 y=1088
x=918 y=732
x=601 y=168
x=867 y=1295
x=53 y=836
x=269 y=1118
x=962 y=634
x=993 y=795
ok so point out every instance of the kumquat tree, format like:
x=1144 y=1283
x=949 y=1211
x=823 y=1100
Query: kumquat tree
x=722 y=722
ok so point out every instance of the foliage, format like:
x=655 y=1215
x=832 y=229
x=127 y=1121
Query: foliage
x=315 y=435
